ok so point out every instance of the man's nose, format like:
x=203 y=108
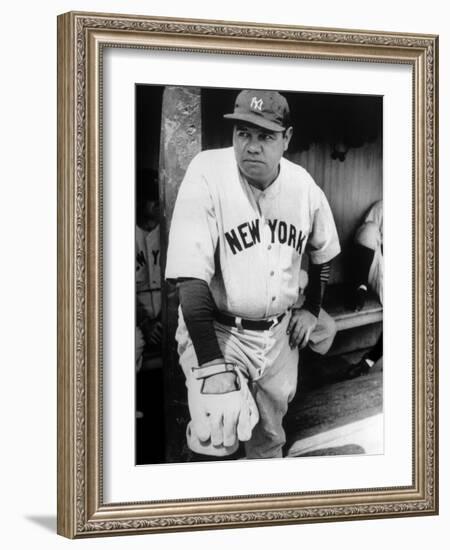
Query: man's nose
x=254 y=145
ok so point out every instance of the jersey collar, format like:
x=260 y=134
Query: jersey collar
x=269 y=192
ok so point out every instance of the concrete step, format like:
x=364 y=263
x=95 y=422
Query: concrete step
x=340 y=417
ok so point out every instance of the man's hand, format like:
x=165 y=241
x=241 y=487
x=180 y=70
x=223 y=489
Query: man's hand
x=156 y=334
x=152 y=330
x=301 y=325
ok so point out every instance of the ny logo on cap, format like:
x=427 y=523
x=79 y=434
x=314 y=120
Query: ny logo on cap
x=256 y=104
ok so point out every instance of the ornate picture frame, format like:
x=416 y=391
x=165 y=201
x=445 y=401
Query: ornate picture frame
x=82 y=41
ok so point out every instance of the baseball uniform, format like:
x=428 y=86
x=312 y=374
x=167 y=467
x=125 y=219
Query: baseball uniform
x=148 y=283
x=369 y=267
x=370 y=234
x=247 y=245
x=148 y=271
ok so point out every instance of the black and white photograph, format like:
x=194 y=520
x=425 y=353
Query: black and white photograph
x=258 y=274
x=247 y=274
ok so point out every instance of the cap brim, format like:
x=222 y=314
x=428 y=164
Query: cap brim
x=257 y=121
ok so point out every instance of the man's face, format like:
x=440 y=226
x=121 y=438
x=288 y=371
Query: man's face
x=148 y=217
x=258 y=152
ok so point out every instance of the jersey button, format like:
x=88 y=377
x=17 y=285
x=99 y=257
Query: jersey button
x=269 y=247
x=274 y=298
x=272 y=273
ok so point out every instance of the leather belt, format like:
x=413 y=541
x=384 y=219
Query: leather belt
x=250 y=324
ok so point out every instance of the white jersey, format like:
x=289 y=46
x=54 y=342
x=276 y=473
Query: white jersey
x=148 y=271
x=245 y=243
x=375 y=277
x=375 y=215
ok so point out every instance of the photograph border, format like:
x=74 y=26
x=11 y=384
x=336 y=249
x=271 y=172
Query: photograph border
x=81 y=39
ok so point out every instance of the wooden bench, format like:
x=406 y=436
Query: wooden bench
x=345 y=318
x=355 y=329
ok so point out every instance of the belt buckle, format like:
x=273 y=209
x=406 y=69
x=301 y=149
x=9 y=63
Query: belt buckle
x=275 y=321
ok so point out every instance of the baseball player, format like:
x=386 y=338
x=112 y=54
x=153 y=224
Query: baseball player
x=368 y=269
x=148 y=270
x=243 y=218
x=369 y=255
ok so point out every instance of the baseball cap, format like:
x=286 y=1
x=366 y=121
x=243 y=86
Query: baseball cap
x=267 y=109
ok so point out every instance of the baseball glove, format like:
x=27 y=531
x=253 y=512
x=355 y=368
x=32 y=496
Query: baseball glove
x=220 y=421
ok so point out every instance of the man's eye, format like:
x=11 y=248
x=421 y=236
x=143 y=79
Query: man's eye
x=243 y=134
x=268 y=137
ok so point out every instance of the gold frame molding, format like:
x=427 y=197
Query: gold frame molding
x=81 y=37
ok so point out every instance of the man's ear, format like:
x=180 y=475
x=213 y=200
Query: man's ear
x=287 y=137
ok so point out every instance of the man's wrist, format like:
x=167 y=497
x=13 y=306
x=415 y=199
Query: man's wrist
x=314 y=309
x=217 y=361
x=305 y=307
x=213 y=367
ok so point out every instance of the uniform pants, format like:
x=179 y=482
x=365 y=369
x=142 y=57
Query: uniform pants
x=270 y=366
x=140 y=346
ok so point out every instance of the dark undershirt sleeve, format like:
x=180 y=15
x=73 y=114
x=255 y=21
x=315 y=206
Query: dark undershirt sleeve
x=197 y=306
x=318 y=275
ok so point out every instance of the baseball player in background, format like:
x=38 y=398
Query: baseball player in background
x=148 y=270
x=243 y=218
x=368 y=273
